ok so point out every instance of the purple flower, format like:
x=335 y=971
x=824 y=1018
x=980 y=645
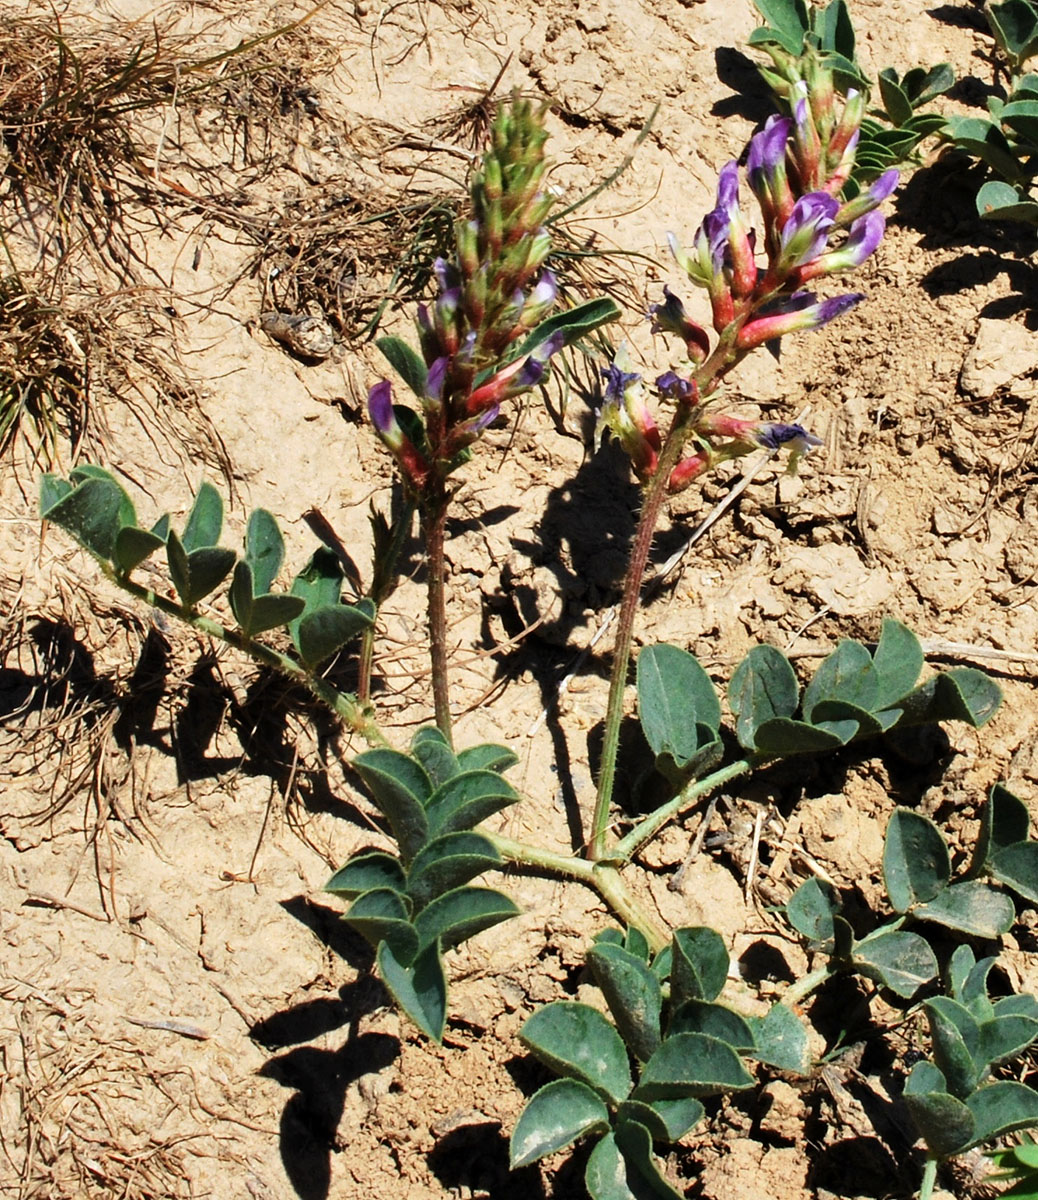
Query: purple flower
x=674 y=387
x=799 y=312
x=773 y=435
x=447 y=275
x=380 y=406
x=805 y=234
x=670 y=317
x=768 y=149
x=412 y=463
x=435 y=377
x=871 y=198
x=865 y=235
x=617 y=383
x=728 y=189
x=766 y=161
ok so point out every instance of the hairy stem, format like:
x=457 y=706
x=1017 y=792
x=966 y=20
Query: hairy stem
x=796 y=992
x=929 y=1178
x=652 y=502
x=629 y=845
x=434 y=522
x=604 y=878
x=353 y=714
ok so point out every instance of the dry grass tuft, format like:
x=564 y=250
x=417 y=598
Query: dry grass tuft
x=78 y=1113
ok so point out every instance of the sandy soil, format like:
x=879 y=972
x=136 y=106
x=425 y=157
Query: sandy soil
x=182 y=1014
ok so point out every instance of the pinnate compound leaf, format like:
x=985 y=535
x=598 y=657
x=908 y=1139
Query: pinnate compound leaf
x=406 y=362
x=916 y=864
x=1000 y=1108
x=675 y=698
x=699 y=964
x=633 y=994
x=692 y=1064
x=383 y=915
x=715 y=1020
x=900 y=961
x=944 y=1122
x=487 y=757
x=364 y=871
x=457 y=915
x=264 y=549
x=811 y=909
x=399 y=787
x=781 y=1040
x=419 y=988
x=763 y=687
x=555 y=1116
x=433 y=751
x=970 y=907
x=447 y=862
x=467 y=799
x=578 y=1042
x=1017 y=867
x=205 y=520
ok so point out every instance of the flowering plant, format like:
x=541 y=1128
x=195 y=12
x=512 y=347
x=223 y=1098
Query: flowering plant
x=638 y=1079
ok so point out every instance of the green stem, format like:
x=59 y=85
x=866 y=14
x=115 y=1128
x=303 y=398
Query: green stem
x=655 y=493
x=929 y=1178
x=355 y=715
x=629 y=845
x=603 y=878
x=522 y=853
x=804 y=987
x=434 y=523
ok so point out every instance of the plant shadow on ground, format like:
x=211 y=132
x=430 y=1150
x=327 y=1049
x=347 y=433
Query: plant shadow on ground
x=319 y=1078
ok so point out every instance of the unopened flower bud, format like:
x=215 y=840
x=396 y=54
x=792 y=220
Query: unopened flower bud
x=687 y=470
